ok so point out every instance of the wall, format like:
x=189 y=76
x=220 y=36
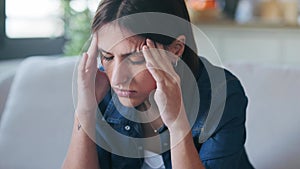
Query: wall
x=263 y=45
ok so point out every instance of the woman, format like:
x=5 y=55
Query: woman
x=143 y=76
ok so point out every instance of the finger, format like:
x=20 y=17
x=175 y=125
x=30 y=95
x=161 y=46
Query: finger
x=82 y=63
x=93 y=49
x=161 y=66
x=92 y=54
x=154 y=52
x=162 y=62
x=160 y=56
x=147 y=55
x=165 y=57
x=150 y=64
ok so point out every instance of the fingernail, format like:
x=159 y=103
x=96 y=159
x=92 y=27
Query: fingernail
x=145 y=47
x=149 y=41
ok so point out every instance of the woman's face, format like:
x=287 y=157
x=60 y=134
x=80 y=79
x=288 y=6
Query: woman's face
x=124 y=64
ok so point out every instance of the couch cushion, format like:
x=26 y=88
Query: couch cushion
x=273 y=114
x=36 y=124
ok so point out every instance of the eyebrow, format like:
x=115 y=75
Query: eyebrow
x=123 y=55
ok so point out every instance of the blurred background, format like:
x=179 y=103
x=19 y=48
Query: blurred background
x=258 y=30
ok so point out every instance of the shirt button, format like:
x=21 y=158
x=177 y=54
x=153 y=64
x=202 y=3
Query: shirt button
x=127 y=127
x=165 y=144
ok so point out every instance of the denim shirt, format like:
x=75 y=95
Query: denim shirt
x=224 y=149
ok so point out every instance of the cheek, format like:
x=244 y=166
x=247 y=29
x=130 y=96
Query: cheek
x=145 y=81
x=109 y=76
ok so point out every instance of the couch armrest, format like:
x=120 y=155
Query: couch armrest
x=5 y=84
x=37 y=121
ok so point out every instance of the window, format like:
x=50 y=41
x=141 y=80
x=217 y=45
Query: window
x=35 y=27
x=2 y=22
x=33 y=18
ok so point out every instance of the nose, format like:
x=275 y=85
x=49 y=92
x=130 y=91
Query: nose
x=120 y=73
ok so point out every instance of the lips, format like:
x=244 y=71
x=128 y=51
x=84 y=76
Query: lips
x=125 y=93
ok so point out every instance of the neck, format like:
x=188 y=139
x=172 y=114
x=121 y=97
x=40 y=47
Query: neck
x=143 y=107
x=150 y=129
x=151 y=117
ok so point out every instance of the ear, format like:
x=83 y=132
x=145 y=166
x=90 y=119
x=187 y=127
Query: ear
x=177 y=46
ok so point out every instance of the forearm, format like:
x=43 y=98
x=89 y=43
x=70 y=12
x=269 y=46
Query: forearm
x=183 y=152
x=82 y=151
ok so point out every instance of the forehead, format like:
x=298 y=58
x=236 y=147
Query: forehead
x=113 y=38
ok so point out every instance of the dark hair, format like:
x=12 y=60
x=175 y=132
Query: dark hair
x=110 y=10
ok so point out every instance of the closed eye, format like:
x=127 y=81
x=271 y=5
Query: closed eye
x=136 y=58
x=106 y=58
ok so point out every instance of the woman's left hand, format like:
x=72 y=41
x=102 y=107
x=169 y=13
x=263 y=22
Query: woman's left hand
x=168 y=95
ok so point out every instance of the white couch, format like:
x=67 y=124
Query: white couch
x=273 y=114
x=36 y=124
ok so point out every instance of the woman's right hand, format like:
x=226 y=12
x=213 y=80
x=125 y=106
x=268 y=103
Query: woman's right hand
x=92 y=83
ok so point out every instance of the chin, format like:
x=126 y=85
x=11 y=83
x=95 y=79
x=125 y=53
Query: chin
x=130 y=102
